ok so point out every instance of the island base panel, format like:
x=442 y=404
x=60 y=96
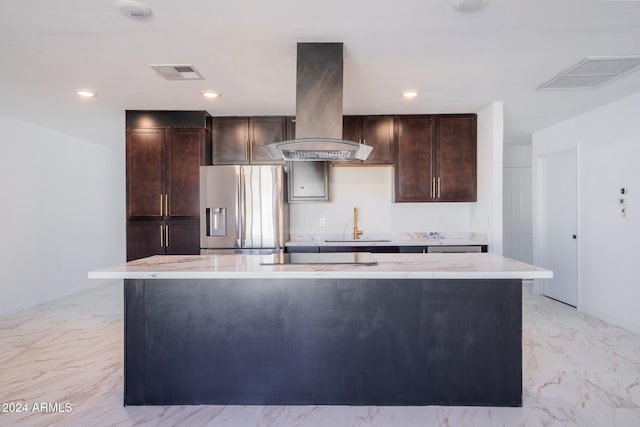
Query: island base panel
x=323 y=341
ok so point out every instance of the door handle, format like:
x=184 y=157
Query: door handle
x=433 y=188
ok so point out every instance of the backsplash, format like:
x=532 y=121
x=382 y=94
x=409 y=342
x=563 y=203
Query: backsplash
x=370 y=189
x=431 y=237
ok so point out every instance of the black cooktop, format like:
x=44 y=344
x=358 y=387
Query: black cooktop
x=365 y=258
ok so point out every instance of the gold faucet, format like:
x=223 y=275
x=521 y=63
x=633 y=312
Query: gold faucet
x=356 y=232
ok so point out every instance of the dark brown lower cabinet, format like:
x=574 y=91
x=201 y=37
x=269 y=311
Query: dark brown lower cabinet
x=182 y=237
x=157 y=237
x=144 y=238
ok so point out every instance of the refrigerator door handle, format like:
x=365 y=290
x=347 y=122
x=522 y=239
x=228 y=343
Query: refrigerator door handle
x=242 y=210
x=277 y=206
x=237 y=209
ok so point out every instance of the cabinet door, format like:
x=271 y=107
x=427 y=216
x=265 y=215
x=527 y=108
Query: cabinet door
x=144 y=238
x=263 y=131
x=414 y=160
x=145 y=172
x=182 y=237
x=185 y=155
x=230 y=140
x=352 y=128
x=377 y=131
x=351 y=131
x=456 y=158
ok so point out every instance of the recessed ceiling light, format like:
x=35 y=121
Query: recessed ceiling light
x=86 y=93
x=469 y=5
x=132 y=8
x=210 y=94
x=410 y=94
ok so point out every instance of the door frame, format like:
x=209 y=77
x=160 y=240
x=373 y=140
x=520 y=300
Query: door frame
x=538 y=214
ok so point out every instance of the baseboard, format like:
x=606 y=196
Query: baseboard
x=8 y=311
x=629 y=326
x=537 y=287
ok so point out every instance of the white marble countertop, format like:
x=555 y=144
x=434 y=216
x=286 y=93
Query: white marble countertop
x=389 y=239
x=390 y=266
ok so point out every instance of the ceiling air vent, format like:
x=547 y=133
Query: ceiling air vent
x=592 y=72
x=177 y=72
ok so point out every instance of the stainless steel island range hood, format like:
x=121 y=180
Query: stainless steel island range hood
x=319 y=109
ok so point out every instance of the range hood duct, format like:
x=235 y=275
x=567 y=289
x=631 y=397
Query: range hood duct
x=319 y=109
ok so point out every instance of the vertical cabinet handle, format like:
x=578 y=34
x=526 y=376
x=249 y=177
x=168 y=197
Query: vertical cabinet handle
x=166 y=205
x=161 y=236
x=166 y=233
x=438 y=195
x=161 y=212
x=433 y=188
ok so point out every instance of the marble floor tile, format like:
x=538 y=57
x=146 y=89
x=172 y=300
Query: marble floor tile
x=64 y=360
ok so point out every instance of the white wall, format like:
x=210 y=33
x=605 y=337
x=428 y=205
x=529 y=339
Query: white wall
x=371 y=190
x=608 y=144
x=62 y=213
x=486 y=214
x=518 y=222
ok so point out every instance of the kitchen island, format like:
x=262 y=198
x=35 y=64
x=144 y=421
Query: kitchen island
x=414 y=329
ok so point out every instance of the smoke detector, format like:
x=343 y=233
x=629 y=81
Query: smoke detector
x=177 y=71
x=132 y=9
x=469 y=5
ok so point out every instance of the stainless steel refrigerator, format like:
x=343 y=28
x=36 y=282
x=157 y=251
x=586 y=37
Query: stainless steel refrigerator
x=243 y=209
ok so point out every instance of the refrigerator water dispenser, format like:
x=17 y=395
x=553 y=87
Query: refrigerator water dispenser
x=216 y=221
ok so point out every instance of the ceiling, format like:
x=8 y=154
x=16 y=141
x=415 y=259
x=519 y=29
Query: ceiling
x=246 y=50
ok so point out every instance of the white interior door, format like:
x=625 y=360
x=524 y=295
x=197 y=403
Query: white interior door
x=518 y=224
x=560 y=208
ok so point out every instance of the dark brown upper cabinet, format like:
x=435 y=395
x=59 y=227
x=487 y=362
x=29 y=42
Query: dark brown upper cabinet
x=239 y=140
x=186 y=151
x=414 y=159
x=163 y=172
x=377 y=131
x=456 y=158
x=230 y=140
x=145 y=173
x=436 y=158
